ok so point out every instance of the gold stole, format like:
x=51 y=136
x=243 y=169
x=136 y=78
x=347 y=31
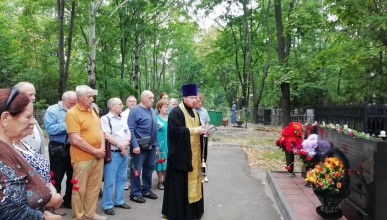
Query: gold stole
x=194 y=177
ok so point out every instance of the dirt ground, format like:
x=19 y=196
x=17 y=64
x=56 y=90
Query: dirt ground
x=258 y=141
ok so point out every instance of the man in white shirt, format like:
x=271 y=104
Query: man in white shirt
x=131 y=101
x=36 y=139
x=116 y=131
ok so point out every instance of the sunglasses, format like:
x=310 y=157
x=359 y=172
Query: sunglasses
x=11 y=96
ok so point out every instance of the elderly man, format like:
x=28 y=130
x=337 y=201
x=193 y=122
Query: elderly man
x=36 y=139
x=87 y=151
x=142 y=123
x=183 y=191
x=117 y=133
x=55 y=124
x=131 y=101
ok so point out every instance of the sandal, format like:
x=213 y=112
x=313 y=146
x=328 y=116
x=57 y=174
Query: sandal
x=58 y=212
x=160 y=186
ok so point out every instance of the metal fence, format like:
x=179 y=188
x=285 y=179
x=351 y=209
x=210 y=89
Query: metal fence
x=269 y=116
x=39 y=114
x=369 y=118
x=276 y=117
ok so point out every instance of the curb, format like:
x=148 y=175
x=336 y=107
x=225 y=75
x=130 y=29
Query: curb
x=283 y=205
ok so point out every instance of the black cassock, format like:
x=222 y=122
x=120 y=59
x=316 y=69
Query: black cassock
x=175 y=202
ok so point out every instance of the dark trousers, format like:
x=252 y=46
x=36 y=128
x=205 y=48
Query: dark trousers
x=60 y=168
x=145 y=164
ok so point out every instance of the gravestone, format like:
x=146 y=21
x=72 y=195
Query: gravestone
x=368 y=182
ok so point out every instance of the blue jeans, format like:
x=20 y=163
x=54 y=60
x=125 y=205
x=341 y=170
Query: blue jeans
x=114 y=175
x=144 y=163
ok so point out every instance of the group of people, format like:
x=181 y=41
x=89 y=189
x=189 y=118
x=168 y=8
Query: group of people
x=167 y=139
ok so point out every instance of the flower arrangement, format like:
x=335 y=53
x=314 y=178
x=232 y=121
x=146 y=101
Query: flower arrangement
x=331 y=175
x=75 y=180
x=291 y=136
x=345 y=130
x=311 y=150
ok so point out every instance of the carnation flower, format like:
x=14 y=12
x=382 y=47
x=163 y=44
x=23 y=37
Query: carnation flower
x=75 y=179
x=136 y=173
x=161 y=160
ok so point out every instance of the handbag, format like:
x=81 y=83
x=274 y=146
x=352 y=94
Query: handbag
x=145 y=143
x=108 y=146
x=59 y=151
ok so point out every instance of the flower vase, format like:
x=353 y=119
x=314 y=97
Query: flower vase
x=330 y=204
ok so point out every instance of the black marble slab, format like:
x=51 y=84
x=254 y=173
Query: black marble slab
x=368 y=158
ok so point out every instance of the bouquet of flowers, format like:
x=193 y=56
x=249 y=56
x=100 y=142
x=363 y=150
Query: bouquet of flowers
x=291 y=136
x=311 y=150
x=329 y=176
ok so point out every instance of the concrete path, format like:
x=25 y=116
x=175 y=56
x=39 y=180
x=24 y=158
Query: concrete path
x=232 y=193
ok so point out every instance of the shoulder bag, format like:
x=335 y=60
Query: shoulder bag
x=108 y=146
x=59 y=151
x=145 y=143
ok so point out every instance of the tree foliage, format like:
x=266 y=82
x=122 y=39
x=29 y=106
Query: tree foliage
x=336 y=51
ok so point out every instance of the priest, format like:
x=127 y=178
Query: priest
x=183 y=192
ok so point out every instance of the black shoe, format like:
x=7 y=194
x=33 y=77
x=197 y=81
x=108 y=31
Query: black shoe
x=109 y=212
x=66 y=205
x=150 y=195
x=123 y=206
x=138 y=199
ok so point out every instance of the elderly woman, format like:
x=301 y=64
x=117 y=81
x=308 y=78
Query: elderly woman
x=162 y=153
x=23 y=192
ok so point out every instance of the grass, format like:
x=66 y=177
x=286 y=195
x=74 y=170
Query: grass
x=258 y=142
x=269 y=159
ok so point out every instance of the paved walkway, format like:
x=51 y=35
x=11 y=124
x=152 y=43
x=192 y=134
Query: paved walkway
x=294 y=199
x=233 y=191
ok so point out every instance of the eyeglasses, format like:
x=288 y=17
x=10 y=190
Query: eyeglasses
x=12 y=94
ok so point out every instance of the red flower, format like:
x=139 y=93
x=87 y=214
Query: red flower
x=161 y=160
x=52 y=182
x=287 y=168
x=308 y=158
x=136 y=173
x=74 y=180
x=51 y=173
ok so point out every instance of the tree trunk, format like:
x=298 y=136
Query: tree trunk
x=136 y=70
x=69 y=46
x=62 y=81
x=91 y=65
x=257 y=97
x=283 y=54
x=248 y=50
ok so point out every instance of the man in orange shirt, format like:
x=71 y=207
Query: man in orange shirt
x=87 y=152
